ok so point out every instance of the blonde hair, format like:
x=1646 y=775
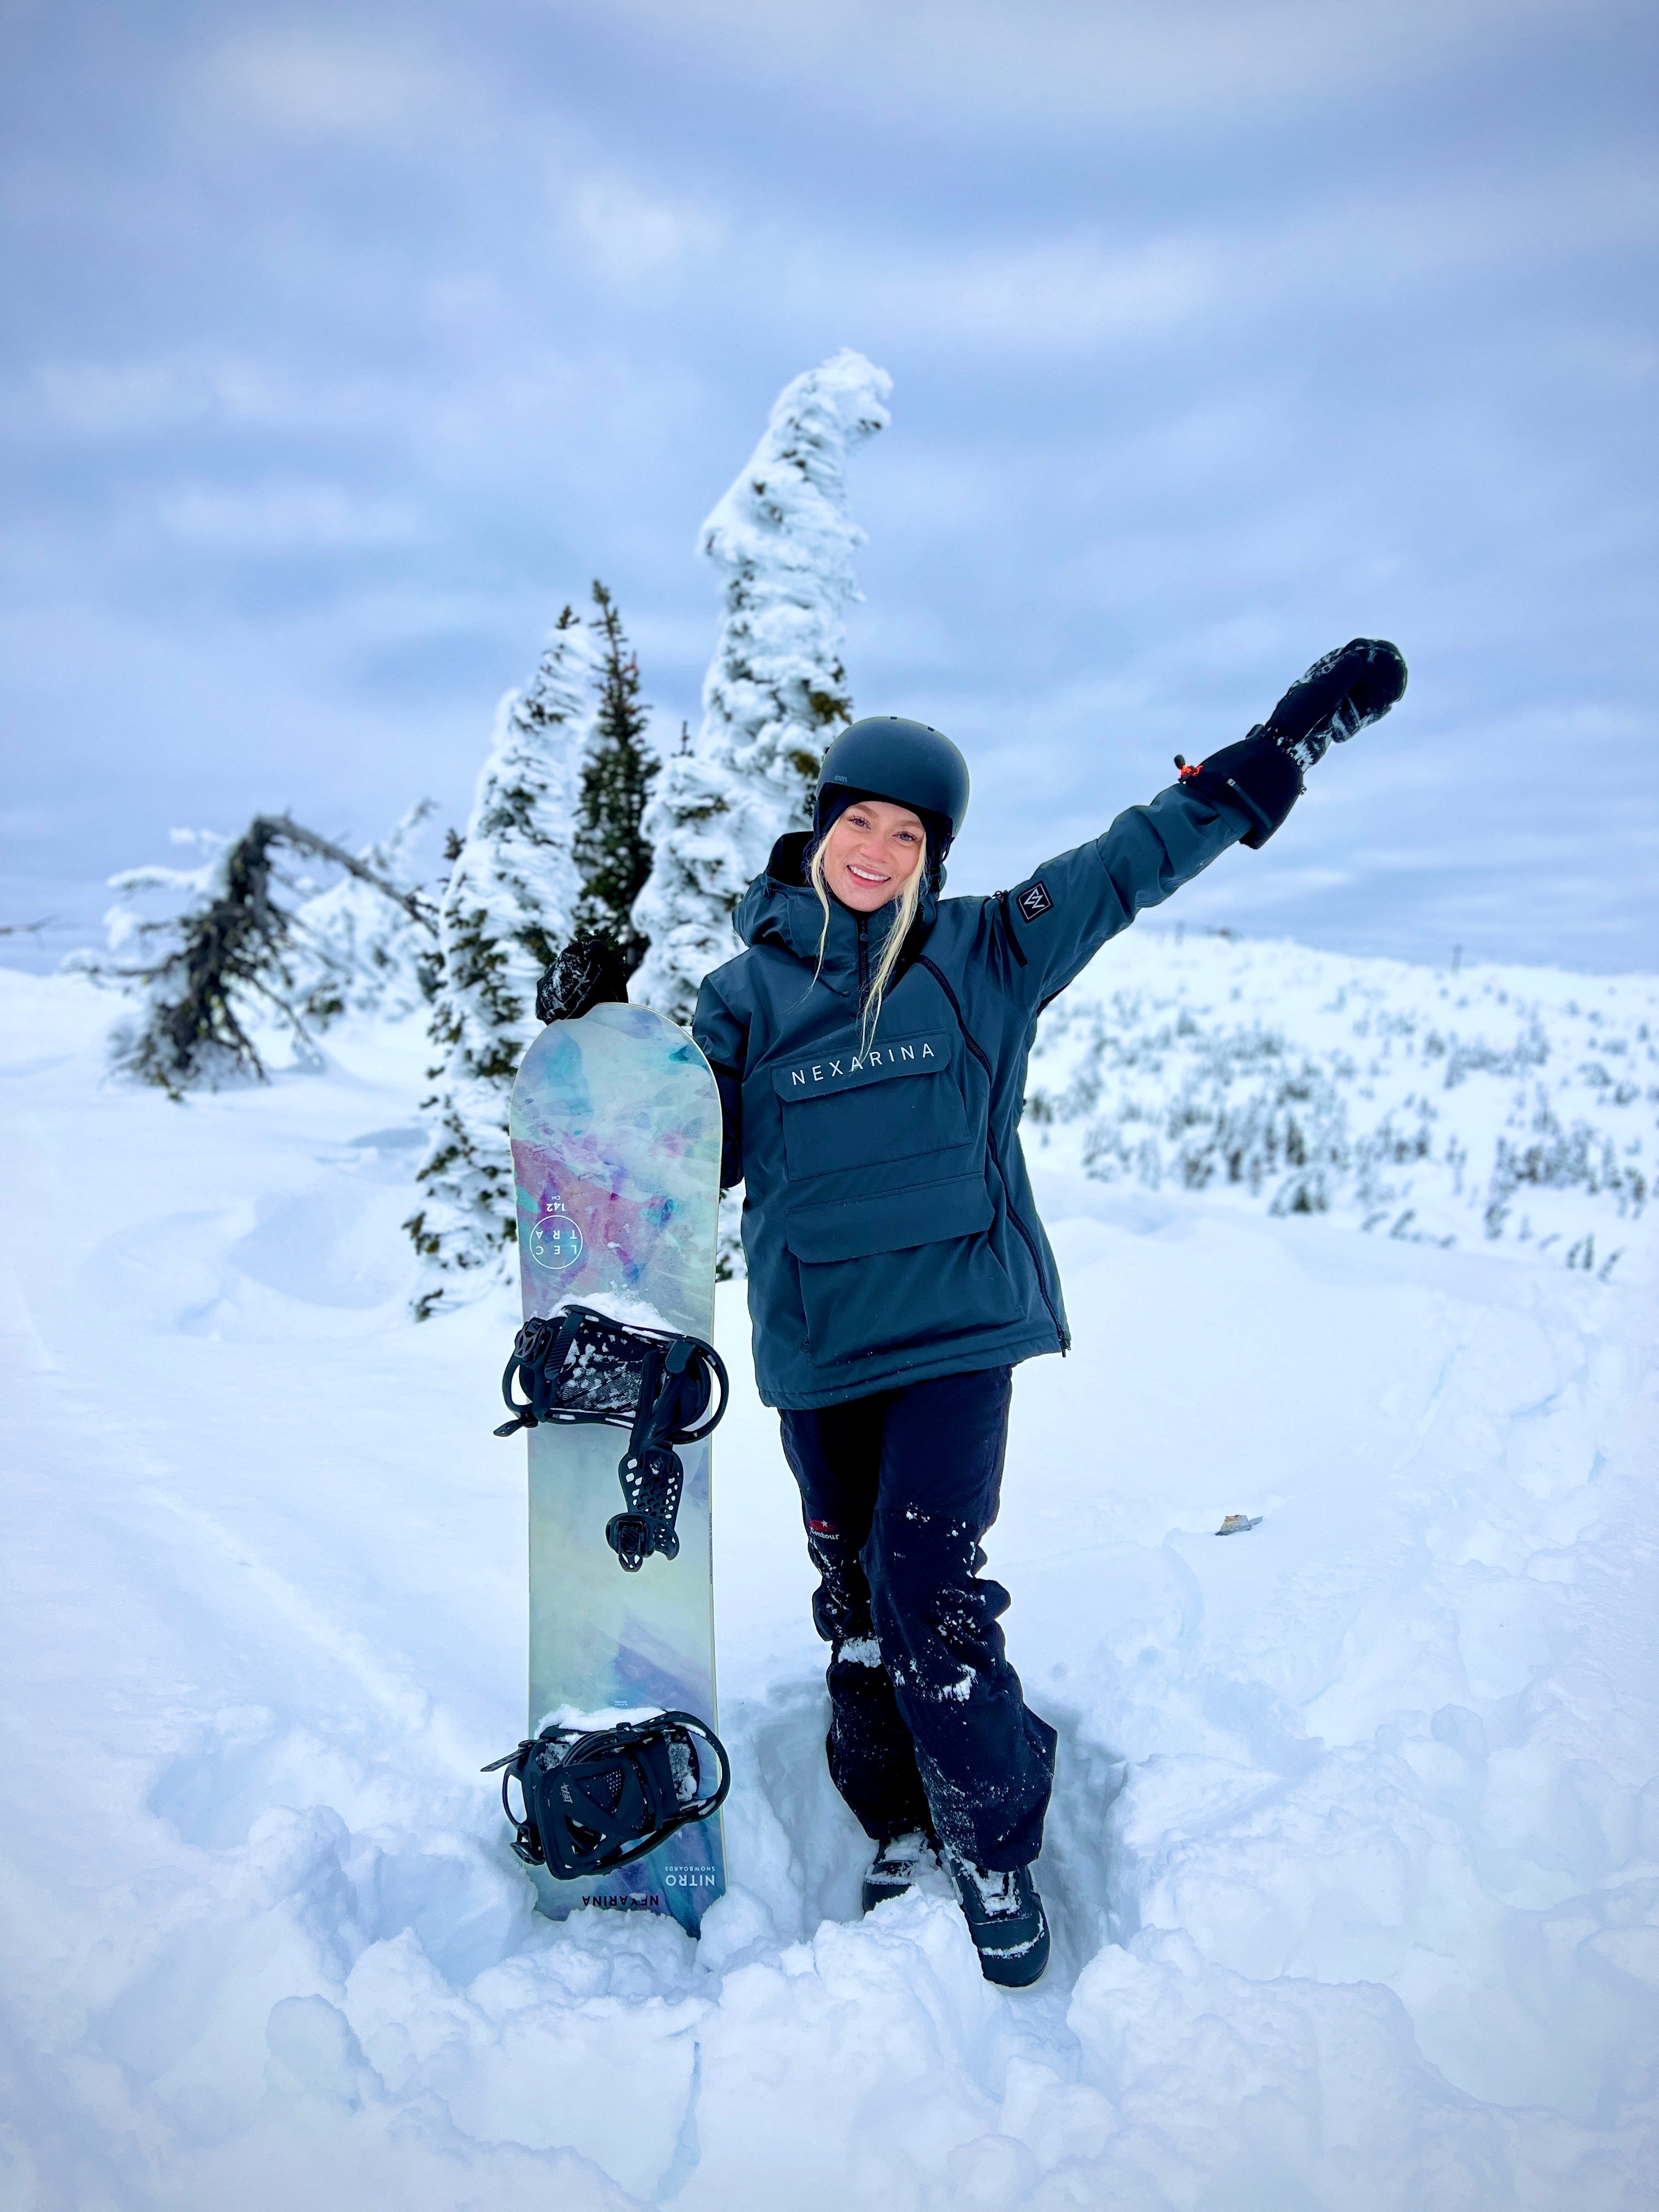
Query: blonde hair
x=907 y=902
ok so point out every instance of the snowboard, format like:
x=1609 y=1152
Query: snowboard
x=615 y=1129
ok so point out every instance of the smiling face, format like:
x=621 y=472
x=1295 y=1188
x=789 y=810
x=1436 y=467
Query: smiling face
x=872 y=852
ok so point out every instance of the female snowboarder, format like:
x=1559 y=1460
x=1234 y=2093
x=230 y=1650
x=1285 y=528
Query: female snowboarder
x=871 y=1047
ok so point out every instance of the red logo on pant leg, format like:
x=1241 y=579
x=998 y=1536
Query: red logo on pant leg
x=823 y=1528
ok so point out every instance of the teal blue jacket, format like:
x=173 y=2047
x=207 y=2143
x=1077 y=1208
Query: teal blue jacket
x=888 y=1220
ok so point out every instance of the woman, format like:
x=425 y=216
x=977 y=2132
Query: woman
x=871 y=1048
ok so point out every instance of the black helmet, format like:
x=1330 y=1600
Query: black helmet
x=907 y=763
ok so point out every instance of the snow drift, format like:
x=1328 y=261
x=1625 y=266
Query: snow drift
x=1354 y=1858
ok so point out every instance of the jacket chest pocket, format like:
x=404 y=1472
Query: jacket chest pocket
x=898 y=1102
x=898 y=1254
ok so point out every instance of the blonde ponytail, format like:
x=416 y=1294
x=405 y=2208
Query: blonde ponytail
x=907 y=902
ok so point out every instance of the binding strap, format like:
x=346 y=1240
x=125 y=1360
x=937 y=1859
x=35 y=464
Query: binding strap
x=599 y=1798
x=582 y=1367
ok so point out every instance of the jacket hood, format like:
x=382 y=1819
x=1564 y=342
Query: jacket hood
x=780 y=908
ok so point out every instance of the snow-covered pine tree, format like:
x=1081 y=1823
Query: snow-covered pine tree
x=508 y=906
x=612 y=857
x=776 y=690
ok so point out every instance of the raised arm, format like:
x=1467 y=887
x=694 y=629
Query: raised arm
x=1059 y=917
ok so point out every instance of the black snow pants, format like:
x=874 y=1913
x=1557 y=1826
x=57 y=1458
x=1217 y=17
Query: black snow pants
x=928 y=1728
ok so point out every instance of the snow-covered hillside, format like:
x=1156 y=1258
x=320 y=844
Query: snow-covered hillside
x=1354 y=1860
x=1509 y=1106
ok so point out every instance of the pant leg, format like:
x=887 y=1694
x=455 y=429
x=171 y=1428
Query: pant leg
x=987 y=1762
x=836 y=1457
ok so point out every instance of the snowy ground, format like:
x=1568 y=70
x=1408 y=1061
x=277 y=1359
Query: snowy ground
x=1354 y=1860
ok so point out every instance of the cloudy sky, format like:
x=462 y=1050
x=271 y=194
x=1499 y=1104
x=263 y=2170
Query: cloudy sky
x=344 y=345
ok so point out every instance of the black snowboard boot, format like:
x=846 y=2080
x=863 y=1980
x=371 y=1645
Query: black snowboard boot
x=896 y=1866
x=1006 y=1921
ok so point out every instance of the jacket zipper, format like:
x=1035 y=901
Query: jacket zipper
x=864 y=958
x=1028 y=1241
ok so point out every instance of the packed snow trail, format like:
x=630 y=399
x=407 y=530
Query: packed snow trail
x=1354 y=1859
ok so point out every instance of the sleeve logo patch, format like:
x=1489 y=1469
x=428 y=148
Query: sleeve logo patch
x=1033 y=902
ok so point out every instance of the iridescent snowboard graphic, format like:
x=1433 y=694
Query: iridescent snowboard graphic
x=616 y=1126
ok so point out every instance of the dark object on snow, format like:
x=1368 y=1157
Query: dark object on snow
x=589 y=972
x=907 y=764
x=1006 y=1921
x=1341 y=694
x=581 y=1367
x=1236 y=1524
x=892 y=1873
x=599 y=1798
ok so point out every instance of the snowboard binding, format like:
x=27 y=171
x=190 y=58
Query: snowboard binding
x=595 y=1799
x=581 y=1366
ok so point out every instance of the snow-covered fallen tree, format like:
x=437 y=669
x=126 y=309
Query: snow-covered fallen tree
x=245 y=942
x=1492 y=1106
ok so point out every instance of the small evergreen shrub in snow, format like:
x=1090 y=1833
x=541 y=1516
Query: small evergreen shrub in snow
x=510 y=904
x=1483 y=1108
x=776 y=691
x=612 y=857
x=226 y=954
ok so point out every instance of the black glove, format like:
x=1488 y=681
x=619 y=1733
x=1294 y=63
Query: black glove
x=1340 y=695
x=587 y=973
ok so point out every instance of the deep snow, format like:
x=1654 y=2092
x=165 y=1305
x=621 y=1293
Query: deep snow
x=1354 y=1860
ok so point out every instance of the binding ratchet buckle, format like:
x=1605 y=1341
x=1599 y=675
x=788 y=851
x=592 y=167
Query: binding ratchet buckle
x=580 y=1366
x=597 y=1798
